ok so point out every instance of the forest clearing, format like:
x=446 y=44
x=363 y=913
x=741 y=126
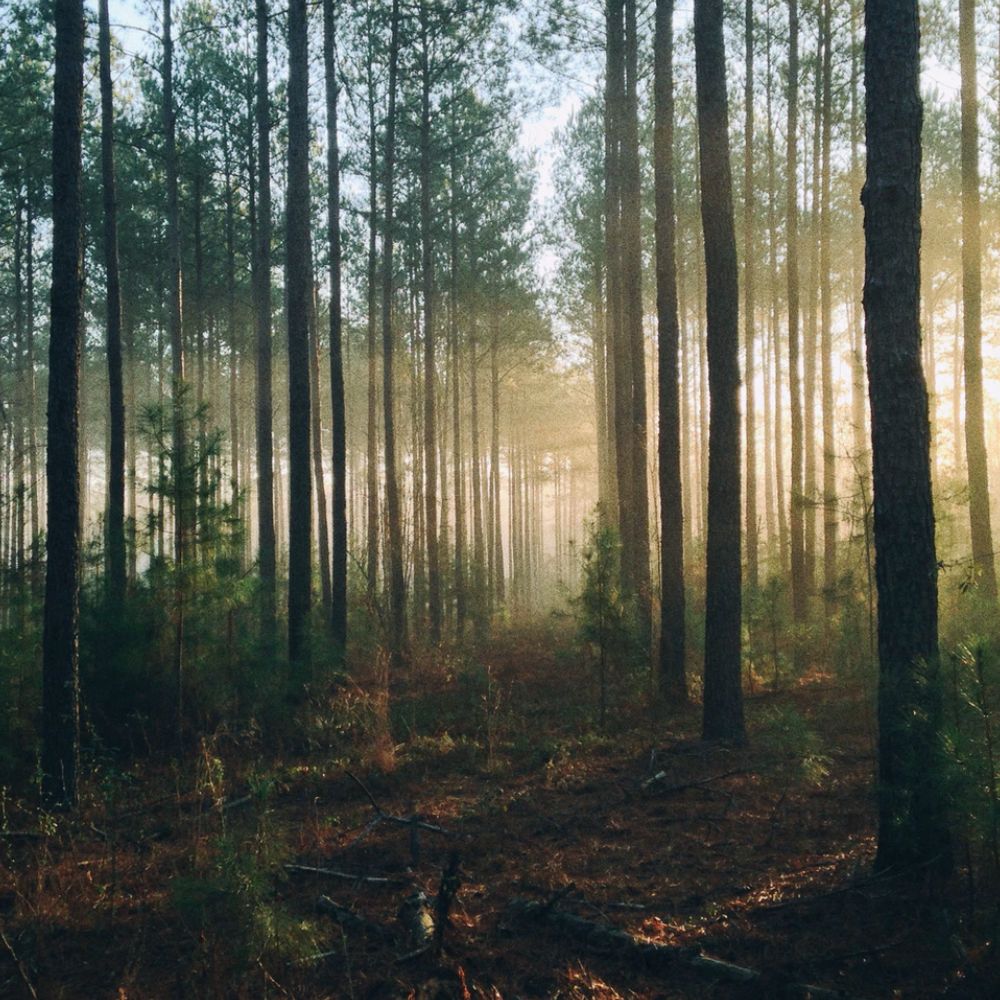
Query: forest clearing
x=497 y=499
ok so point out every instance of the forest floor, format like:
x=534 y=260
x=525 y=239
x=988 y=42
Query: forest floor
x=175 y=881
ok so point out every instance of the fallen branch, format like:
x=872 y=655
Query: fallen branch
x=413 y=823
x=348 y=876
x=612 y=940
x=684 y=786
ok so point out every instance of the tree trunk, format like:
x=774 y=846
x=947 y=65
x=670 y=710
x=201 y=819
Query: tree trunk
x=723 y=708
x=430 y=372
x=397 y=582
x=60 y=637
x=266 y=545
x=912 y=818
x=371 y=472
x=338 y=412
x=972 y=299
x=632 y=314
x=796 y=519
x=298 y=283
x=671 y=673
x=620 y=381
x=175 y=318
x=830 y=524
x=753 y=576
x=116 y=569
x=319 y=476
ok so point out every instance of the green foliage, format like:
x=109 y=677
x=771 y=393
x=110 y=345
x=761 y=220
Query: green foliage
x=972 y=694
x=606 y=623
x=798 y=749
x=233 y=901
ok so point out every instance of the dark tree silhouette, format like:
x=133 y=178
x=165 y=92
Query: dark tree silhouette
x=116 y=569
x=672 y=679
x=723 y=707
x=912 y=821
x=397 y=580
x=338 y=608
x=60 y=663
x=266 y=544
x=298 y=280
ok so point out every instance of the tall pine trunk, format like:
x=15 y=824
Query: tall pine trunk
x=972 y=300
x=912 y=818
x=397 y=582
x=266 y=545
x=338 y=412
x=116 y=568
x=298 y=283
x=723 y=706
x=61 y=627
x=671 y=673
x=430 y=372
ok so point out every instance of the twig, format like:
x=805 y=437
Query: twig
x=20 y=965
x=412 y=822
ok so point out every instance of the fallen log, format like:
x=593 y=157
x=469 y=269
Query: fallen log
x=608 y=940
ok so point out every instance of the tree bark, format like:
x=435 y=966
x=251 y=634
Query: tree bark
x=175 y=319
x=298 y=282
x=637 y=554
x=830 y=515
x=796 y=520
x=972 y=299
x=397 y=582
x=671 y=674
x=723 y=706
x=338 y=411
x=116 y=568
x=266 y=545
x=912 y=819
x=430 y=372
x=61 y=626
x=749 y=263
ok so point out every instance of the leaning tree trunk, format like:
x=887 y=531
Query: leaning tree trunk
x=723 y=706
x=60 y=637
x=912 y=819
x=671 y=674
